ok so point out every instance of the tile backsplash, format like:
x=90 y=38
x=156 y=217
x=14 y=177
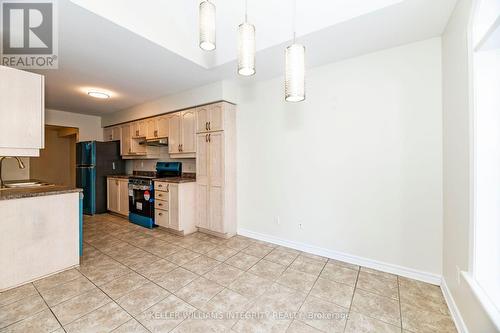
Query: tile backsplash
x=188 y=164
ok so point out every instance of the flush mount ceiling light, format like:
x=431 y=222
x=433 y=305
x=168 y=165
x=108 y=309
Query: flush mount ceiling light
x=246 y=46
x=295 y=89
x=207 y=25
x=98 y=94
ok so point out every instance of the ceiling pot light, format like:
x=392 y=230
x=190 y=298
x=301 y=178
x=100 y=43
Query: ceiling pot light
x=246 y=47
x=98 y=94
x=295 y=54
x=207 y=25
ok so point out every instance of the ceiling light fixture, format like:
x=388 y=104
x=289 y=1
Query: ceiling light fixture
x=295 y=88
x=98 y=94
x=207 y=25
x=246 y=46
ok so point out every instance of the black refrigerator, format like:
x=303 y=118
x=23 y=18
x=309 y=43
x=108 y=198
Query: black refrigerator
x=94 y=161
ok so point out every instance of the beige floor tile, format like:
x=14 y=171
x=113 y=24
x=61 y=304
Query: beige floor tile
x=227 y=302
x=358 y=323
x=238 y=243
x=279 y=299
x=66 y=291
x=250 y=285
x=224 y=274
x=125 y=252
x=103 y=319
x=21 y=309
x=378 y=284
x=270 y=325
x=282 y=256
x=123 y=285
x=79 y=306
x=198 y=292
x=165 y=250
x=267 y=269
x=12 y=295
x=376 y=306
x=183 y=256
x=142 y=298
x=201 y=246
x=379 y=273
x=176 y=279
x=139 y=260
x=323 y=315
x=166 y=314
x=56 y=279
x=297 y=280
x=331 y=291
x=242 y=261
x=422 y=295
x=42 y=322
x=314 y=256
x=299 y=327
x=156 y=270
x=258 y=250
x=131 y=326
x=340 y=274
x=221 y=253
x=307 y=265
x=343 y=264
x=195 y=325
x=422 y=321
x=201 y=265
x=104 y=272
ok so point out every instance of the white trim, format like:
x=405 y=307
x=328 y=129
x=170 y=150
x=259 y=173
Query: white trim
x=483 y=298
x=370 y=263
x=455 y=312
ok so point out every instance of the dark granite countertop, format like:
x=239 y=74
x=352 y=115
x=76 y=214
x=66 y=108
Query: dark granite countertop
x=19 y=193
x=177 y=180
x=119 y=176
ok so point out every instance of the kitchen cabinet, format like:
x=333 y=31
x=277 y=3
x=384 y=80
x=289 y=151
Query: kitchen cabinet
x=131 y=146
x=22 y=123
x=182 y=133
x=175 y=206
x=216 y=177
x=157 y=128
x=112 y=133
x=210 y=118
x=118 y=195
x=139 y=129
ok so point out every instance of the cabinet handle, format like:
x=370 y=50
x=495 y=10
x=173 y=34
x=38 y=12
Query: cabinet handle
x=156 y=133
x=160 y=185
x=160 y=195
x=168 y=188
x=206 y=125
x=206 y=137
x=209 y=138
x=160 y=204
x=161 y=214
x=209 y=126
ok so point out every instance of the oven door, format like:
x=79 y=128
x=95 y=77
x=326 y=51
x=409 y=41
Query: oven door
x=141 y=200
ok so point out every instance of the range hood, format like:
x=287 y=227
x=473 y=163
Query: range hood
x=155 y=142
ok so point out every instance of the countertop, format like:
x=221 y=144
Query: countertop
x=19 y=193
x=177 y=180
x=119 y=176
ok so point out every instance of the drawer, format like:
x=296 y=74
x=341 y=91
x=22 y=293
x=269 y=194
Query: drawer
x=161 y=218
x=161 y=186
x=161 y=204
x=161 y=195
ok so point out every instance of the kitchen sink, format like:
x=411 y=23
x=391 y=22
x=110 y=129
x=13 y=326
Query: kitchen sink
x=26 y=184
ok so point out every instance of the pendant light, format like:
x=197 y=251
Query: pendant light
x=246 y=46
x=207 y=25
x=295 y=90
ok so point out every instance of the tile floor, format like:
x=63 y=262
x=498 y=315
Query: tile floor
x=133 y=279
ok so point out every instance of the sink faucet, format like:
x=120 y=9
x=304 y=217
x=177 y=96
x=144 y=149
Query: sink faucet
x=19 y=163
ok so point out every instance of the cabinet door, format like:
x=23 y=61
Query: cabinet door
x=174 y=131
x=116 y=133
x=113 y=195
x=202 y=119
x=173 y=207
x=202 y=206
x=161 y=218
x=216 y=117
x=188 y=132
x=162 y=126
x=21 y=109
x=216 y=181
x=108 y=134
x=202 y=160
x=139 y=129
x=152 y=131
x=123 y=196
x=125 y=141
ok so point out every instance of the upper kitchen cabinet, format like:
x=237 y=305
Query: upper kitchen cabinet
x=112 y=133
x=22 y=117
x=139 y=129
x=131 y=146
x=182 y=134
x=210 y=118
x=157 y=128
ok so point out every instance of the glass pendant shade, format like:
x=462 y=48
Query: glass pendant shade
x=207 y=26
x=295 y=89
x=246 y=49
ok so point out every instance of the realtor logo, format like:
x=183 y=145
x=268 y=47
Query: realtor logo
x=29 y=34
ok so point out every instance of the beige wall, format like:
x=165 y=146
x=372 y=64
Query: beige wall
x=11 y=171
x=88 y=126
x=457 y=153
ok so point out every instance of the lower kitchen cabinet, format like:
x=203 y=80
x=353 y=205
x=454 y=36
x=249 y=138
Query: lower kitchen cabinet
x=175 y=206
x=118 y=195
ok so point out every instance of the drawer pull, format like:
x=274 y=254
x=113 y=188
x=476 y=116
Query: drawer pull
x=161 y=214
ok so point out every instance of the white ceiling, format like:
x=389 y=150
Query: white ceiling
x=143 y=50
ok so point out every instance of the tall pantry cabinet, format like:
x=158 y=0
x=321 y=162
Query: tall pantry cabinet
x=216 y=169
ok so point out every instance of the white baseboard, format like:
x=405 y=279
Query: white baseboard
x=381 y=266
x=455 y=313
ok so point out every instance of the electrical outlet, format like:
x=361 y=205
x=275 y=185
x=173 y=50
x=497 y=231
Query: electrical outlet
x=300 y=226
x=277 y=219
x=458 y=274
